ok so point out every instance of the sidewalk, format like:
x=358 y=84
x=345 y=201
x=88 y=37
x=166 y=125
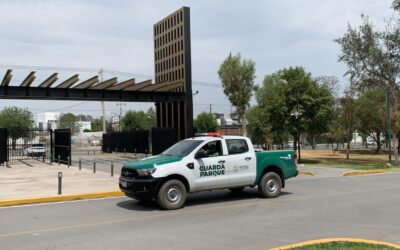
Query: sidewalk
x=40 y=180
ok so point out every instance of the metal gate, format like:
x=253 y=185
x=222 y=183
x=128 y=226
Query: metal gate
x=3 y=145
x=132 y=142
x=25 y=146
x=62 y=146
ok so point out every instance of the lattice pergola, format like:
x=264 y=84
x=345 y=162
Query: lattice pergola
x=90 y=89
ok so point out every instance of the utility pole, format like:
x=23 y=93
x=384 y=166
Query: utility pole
x=103 y=108
x=120 y=114
x=210 y=108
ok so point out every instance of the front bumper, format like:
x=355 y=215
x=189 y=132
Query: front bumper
x=144 y=187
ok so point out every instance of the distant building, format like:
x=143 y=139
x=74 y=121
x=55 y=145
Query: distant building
x=47 y=120
x=84 y=126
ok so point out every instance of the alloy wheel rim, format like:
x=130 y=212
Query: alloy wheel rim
x=173 y=195
x=272 y=185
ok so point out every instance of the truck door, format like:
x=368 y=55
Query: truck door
x=209 y=167
x=242 y=163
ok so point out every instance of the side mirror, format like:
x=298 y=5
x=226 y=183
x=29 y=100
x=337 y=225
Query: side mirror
x=201 y=154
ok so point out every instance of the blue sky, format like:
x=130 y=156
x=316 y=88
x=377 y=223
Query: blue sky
x=118 y=35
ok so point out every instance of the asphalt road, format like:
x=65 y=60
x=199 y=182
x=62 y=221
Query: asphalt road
x=309 y=208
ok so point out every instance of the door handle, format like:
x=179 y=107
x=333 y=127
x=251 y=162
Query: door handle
x=221 y=161
x=247 y=158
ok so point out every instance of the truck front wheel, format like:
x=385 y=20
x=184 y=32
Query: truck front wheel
x=270 y=185
x=171 y=195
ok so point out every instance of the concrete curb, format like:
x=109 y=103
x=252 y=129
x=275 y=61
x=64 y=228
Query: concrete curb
x=5 y=203
x=363 y=172
x=330 y=240
x=307 y=173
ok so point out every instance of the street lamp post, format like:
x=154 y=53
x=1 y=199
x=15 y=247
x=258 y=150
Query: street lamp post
x=298 y=124
x=296 y=114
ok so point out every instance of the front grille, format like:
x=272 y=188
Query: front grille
x=128 y=173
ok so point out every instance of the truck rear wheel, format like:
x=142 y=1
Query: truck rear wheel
x=270 y=185
x=172 y=195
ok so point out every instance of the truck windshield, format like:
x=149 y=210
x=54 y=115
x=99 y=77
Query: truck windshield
x=182 y=148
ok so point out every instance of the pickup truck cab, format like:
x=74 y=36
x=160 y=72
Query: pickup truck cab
x=203 y=164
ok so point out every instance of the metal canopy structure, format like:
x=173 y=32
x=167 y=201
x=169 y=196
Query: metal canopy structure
x=90 y=89
x=171 y=92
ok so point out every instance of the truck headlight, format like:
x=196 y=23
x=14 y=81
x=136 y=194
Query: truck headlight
x=146 y=171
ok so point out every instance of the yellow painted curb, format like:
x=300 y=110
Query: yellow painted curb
x=5 y=203
x=307 y=173
x=330 y=240
x=362 y=172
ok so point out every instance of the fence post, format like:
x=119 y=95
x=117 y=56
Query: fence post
x=94 y=166
x=59 y=182
x=59 y=160
x=80 y=164
x=43 y=157
x=69 y=161
x=112 y=169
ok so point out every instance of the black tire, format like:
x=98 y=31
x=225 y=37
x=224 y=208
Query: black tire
x=270 y=185
x=171 y=195
x=237 y=190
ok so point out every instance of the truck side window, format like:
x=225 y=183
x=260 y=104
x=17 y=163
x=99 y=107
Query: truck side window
x=237 y=146
x=213 y=148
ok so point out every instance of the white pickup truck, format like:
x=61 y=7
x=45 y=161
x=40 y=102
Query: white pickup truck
x=203 y=164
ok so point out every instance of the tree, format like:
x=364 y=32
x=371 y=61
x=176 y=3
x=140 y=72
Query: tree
x=288 y=101
x=97 y=125
x=373 y=61
x=371 y=114
x=347 y=117
x=138 y=120
x=205 y=122
x=84 y=118
x=18 y=121
x=237 y=77
x=69 y=121
x=272 y=111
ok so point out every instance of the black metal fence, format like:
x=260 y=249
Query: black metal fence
x=28 y=145
x=163 y=138
x=130 y=142
x=62 y=146
x=3 y=145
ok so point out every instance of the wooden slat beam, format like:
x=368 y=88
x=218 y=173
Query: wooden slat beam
x=170 y=87
x=49 y=81
x=7 y=78
x=69 y=82
x=152 y=87
x=140 y=86
x=28 y=80
x=105 y=84
x=123 y=85
x=88 y=83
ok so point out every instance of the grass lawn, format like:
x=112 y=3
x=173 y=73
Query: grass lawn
x=338 y=159
x=345 y=246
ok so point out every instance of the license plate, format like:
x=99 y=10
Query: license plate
x=123 y=184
